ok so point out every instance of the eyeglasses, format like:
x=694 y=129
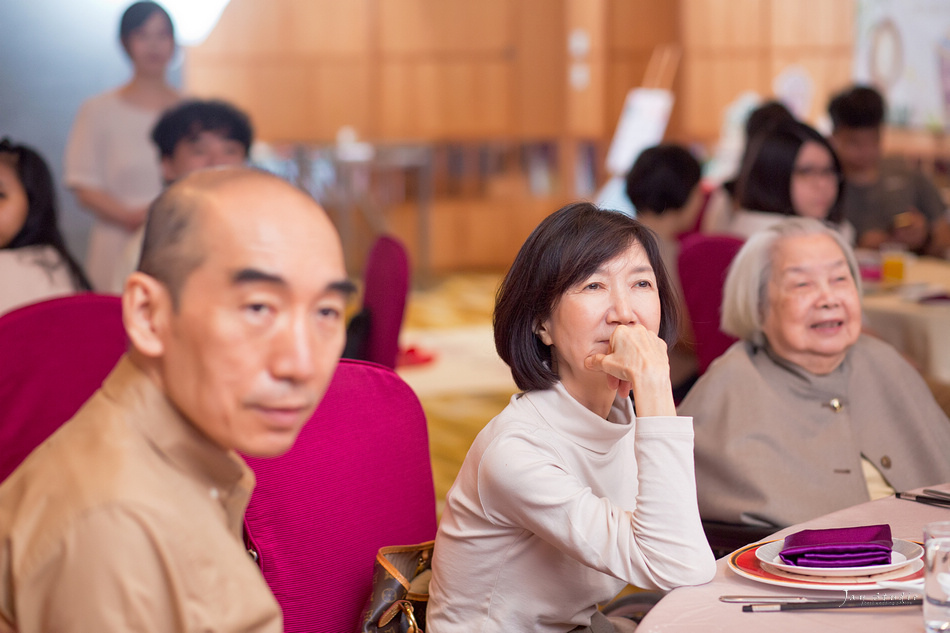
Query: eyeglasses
x=814 y=173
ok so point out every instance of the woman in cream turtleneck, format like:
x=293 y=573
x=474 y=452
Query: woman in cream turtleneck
x=576 y=489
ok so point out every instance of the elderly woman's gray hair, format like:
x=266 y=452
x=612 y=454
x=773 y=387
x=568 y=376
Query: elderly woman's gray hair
x=745 y=295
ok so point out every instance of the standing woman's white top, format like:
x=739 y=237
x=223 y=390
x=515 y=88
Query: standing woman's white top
x=110 y=163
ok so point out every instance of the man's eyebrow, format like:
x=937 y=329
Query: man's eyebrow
x=253 y=275
x=344 y=287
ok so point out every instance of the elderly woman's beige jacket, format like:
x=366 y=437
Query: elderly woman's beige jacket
x=778 y=445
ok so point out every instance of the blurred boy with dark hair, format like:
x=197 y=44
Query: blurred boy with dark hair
x=192 y=135
x=197 y=134
x=663 y=185
x=885 y=199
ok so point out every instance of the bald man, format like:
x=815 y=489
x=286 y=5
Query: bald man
x=129 y=517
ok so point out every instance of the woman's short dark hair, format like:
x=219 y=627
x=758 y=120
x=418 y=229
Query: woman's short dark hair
x=663 y=177
x=566 y=248
x=41 y=227
x=135 y=16
x=765 y=180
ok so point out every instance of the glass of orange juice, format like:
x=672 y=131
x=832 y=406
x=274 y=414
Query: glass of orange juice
x=893 y=263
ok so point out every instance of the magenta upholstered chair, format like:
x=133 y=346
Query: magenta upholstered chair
x=386 y=284
x=53 y=356
x=357 y=479
x=703 y=263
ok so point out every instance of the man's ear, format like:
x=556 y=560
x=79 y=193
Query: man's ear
x=146 y=313
x=169 y=173
x=541 y=330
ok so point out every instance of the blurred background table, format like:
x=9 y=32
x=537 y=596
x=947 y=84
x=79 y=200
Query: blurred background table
x=921 y=331
x=358 y=183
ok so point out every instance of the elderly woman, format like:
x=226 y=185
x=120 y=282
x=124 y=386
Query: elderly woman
x=575 y=489
x=805 y=415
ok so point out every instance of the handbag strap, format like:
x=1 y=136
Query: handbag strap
x=405 y=607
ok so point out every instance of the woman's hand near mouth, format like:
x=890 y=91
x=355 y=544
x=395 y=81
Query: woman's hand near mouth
x=638 y=360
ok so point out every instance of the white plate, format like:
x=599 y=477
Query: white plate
x=904 y=552
x=744 y=562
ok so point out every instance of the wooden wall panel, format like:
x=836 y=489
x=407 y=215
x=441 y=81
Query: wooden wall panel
x=340 y=94
x=799 y=24
x=444 y=26
x=735 y=45
x=457 y=69
x=586 y=112
x=283 y=118
x=331 y=27
x=710 y=83
x=249 y=31
x=497 y=70
x=724 y=24
x=288 y=101
x=639 y=25
x=476 y=104
x=408 y=107
x=465 y=233
x=219 y=81
x=430 y=69
x=587 y=109
x=539 y=69
x=430 y=100
x=300 y=68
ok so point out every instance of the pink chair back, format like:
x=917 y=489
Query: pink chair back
x=53 y=356
x=386 y=284
x=707 y=189
x=357 y=479
x=703 y=263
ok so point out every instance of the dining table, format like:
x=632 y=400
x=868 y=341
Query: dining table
x=699 y=608
x=914 y=314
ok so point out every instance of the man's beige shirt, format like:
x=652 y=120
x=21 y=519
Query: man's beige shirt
x=129 y=519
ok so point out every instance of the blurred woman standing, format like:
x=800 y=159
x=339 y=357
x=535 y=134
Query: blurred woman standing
x=110 y=164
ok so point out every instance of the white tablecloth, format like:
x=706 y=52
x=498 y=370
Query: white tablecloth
x=921 y=332
x=691 y=609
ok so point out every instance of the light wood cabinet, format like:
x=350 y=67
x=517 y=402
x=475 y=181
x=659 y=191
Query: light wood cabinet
x=472 y=73
x=730 y=46
x=428 y=70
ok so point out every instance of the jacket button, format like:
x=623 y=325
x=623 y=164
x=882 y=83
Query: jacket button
x=886 y=461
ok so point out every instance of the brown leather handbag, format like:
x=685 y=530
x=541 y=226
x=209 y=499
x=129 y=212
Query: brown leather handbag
x=400 y=590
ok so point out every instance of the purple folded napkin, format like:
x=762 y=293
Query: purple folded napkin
x=839 y=547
